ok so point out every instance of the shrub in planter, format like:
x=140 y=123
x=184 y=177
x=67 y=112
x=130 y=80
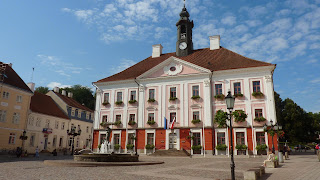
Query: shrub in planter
x=219 y=96
x=132 y=101
x=239 y=116
x=220 y=118
x=260 y=119
x=118 y=103
x=151 y=100
x=173 y=98
x=105 y=103
x=261 y=147
x=221 y=147
x=195 y=121
x=241 y=147
x=257 y=94
x=117 y=146
x=195 y=97
x=238 y=95
x=131 y=123
x=149 y=146
x=151 y=122
x=195 y=148
x=117 y=123
x=104 y=124
x=130 y=146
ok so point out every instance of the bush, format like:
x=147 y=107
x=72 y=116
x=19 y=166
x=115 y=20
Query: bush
x=118 y=103
x=239 y=116
x=198 y=147
x=257 y=94
x=260 y=119
x=132 y=101
x=173 y=98
x=117 y=123
x=149 y=146
x=117 y=146
x=261 y=147
x=130 y=146
x=195 y=121
x=220 y=118
x=241 y=147
x=221 y=147
x=152 y=122
x=131 y=123
x=104 y=124
x=151 y=100
x=195 y=97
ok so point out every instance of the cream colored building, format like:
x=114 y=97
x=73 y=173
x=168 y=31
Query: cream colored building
x=14 y=104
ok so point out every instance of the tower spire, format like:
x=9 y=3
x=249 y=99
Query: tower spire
x=184 y=3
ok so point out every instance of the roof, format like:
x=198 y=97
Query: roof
x=73 y=103
x=214 y=60
x=12 y=78
x=44 y=104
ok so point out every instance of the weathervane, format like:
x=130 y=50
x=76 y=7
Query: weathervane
x=184 y=3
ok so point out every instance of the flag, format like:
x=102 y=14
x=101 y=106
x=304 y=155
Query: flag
x=172 y=123
x=165 y=123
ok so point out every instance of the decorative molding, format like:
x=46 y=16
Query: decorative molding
x=206 y=83
x=195 y=106
x=4 y=104
x=268 y=78
x=141 y=88
x=151 y=108
x=172 y=69
x=173 y=107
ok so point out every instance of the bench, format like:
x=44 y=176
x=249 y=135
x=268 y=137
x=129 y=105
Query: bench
x=254 y=173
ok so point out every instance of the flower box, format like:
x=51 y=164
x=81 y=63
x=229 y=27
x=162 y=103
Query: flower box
x=130 y=146
x=116 y=146
x=118 y=103
x=241 y=147
x=195 y=97
x=173 y=98
x=195 y=121
x=219 y=96
x=132 y=101
x=260 y=119
x=105 y=103
x=152 y=122
x=238 y=95
x=221 y=147
x=196 y=148
x=131 y=123
x=239 y=116
x=257 y=94
x=117 y=123
x=151 y=100
x=149 y=146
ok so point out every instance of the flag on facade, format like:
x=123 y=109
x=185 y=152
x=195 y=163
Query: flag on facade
x=172 y=123
x=165 y=123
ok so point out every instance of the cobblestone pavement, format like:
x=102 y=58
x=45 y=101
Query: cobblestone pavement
x=174 y=168
x=301 y=165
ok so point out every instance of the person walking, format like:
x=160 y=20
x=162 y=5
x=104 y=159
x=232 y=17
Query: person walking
x=37 y=152
x=317 y=149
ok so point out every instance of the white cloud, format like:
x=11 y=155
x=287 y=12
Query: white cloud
x=124 y=64
x=315 y=46
x=229 y=20
x=51 y=85
x=317 y=80
x=311 y=61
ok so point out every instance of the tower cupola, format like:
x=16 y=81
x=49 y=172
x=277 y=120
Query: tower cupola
x=184 y=45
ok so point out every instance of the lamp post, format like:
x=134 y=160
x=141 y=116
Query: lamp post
x=72 y=132
x=23 y=137
x=230 y=104
x=273 y=130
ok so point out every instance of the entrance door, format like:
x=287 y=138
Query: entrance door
x=172 y=141
x=45 y=143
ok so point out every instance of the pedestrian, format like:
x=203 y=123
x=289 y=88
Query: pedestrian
x=37 y=152
x=300 y=149
x=317 y=149
x=19 y=152
x=54 y=152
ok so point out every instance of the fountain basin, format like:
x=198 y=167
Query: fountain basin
x=92 y=157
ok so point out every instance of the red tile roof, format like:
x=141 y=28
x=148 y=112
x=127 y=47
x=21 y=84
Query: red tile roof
x=44 y=104
x=214 y=60
x=12 y=78
x=73 y=103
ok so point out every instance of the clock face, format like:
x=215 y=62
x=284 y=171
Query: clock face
x=183 y=45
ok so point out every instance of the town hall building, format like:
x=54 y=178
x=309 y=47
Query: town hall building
x=171 y=101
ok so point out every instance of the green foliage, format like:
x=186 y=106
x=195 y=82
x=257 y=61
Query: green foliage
x=42 y=90
x=195 y=97
x=241 y=147
x=238 y=95
x=261 y=147
x=198 y=147
x=239 y=116
x=195 y=121
x=149 y=146
x=117 y=146
x=82 y=95
x=132 y=101
x=104 y=124
x=151 y=122
x=257 y=94
x=130 y=146
x=131 y=123
x=105 y=103
x=173 y=98
x=220 y=118
x=260 y=119
x=99 y=146
x=118 y=103
x=221 y=147
x=151 y=100
x=219 y=96
x=117 y=123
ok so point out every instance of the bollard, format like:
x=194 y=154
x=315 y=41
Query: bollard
x=280 y=157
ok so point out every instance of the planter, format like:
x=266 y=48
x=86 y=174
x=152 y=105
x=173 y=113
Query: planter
x=219 y=97
x=221 y=147
x=196 y=149
x=238 y=95
x=195 y=121
x=195 y=97
x=151 y=122
x=131 y=123
x=149 y=148
x=173 y=98
x=257 y=94
x=221 y=152
x=118 y=103
x=130 y=146
x=241 y=152
x=132 y=101
x=259 y=119
x=262 y=152
x=105 y=103
x=117 y=123
x=239 y=116
x=151 y=100
x=116 y=147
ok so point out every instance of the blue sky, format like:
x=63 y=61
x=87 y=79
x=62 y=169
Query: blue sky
x=79 y=42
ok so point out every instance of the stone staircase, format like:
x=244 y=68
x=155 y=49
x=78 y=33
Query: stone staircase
x=170 y=152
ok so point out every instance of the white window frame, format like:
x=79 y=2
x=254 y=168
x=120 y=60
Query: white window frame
x=243 y=130
x=19 y=98
x=241 y=86
x=3 y=115
x=146 y=138
x=5 y=95
x=12 y=135
x=16 y=118
x=198 y=89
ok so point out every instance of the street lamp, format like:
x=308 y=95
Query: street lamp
x=23 y=137
x=230 y=104
x=73 y=133
x=273 y=129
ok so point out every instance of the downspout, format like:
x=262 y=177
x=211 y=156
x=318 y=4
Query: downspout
x=211 y=114
x=136 y=140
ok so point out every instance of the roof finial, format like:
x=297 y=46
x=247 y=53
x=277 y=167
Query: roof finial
x=184 y=3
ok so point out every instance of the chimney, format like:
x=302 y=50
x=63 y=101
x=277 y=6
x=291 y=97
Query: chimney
x=31 y=86
x=56 y=89
x=70 y=94
x=156 y=50
x=214 y=42
x=64 y=92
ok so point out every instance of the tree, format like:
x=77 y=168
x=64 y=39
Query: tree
x=42 y=90
x=81 y=94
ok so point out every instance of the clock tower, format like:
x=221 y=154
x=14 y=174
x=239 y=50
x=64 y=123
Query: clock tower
x=184 y=44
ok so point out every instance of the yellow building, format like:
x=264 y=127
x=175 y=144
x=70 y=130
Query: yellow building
x=14 y=105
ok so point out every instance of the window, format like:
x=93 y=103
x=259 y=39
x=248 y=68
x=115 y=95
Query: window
x=5 y=95
x=240 y=138
x=118 y=117
x=151 y=94
x=87 y=130
x=88 y=116
x=62 y=125
x=195 y=115
x=150 y=137
x=221 y=136
x=16 y=118
x=57 y=124
x=256 y=86
x=172 y=117
x=195 y=90
x=60 y=141
x=132 y=117
x=72 y=112
x=218 y=88
x=116 y=139
x=47 y=123
x=3 y=115
x=12 y=138
x=196 y=139
x=38 y=122
x=19 y=98
x=76 y=112
x=79 y=114
x=119 y=96
x=150 y=116
x=258 y=113
x=31 y=119
x=173 y=92
x=260 y=138
x=54 y=141
x=106 y=97
x=237 y=88
x=133 y=95
x=105 y=118
x=32 y=137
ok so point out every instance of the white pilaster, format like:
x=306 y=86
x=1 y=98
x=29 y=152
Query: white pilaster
x=184 y=98
x=186 y=106
x=207 y=104
x=141 y=107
